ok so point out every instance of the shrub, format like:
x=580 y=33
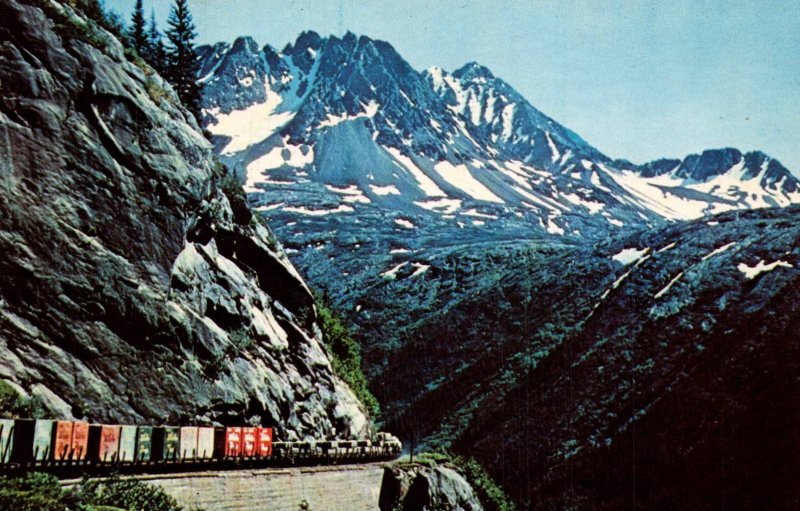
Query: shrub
x=486 y=489
x=43 y=492
x=34 y=492
x=126 y=494
x=156 y=92
x=14 y=406
x=345 y=355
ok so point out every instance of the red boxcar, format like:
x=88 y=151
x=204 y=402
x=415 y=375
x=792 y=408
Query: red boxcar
x=249 y=442
x=80 y=440
x=233 y=442
x=264 y=442
x=62 y=446
x=109 y=443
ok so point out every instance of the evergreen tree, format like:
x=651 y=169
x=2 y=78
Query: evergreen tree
x=116 y=25
x=155 y=54
x=137 y=35
x=182 y=62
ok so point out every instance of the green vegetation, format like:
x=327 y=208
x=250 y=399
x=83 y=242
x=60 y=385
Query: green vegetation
x=13 y=405
x=131 y=495
x=488 y=492
x=137 y=33
x=345 y=355
x=182 y=64
x=42 y=492
x=143 y=43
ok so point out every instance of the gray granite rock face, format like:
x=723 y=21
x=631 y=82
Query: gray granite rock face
x=132 y=287
x=421 y=488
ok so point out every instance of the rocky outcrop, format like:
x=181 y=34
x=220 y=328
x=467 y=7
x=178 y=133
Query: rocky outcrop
x=132 y=288
x=412 y=487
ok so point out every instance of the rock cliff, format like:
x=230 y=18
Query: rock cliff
x=413 y=487
x=133 y=288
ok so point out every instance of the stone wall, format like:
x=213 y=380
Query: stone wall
x=330 y=488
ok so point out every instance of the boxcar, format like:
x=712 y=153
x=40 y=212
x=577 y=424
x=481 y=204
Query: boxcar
x=264 y=442
x=42 y=439
x=233 y=442
x=6 y=440
x=249 y=441
x=127 y=444
x=79 y=446
x=144 y=443
x=172 y=444
x=205 y=443
x=62 y=440
x=104 y=443
x=188 y=443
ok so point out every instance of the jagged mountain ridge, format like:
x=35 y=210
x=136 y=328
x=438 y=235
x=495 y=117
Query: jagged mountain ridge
x=351 y=112
x=133 y=289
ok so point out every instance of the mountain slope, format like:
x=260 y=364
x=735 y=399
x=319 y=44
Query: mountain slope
x=562 y=366
x=132 y=287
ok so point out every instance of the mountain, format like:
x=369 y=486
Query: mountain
x=337 y=126
x=134 y=286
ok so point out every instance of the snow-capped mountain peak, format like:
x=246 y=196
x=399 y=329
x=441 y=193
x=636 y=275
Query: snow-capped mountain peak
x=433 y=149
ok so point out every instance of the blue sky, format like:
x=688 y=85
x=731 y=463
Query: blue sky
x=638 y=80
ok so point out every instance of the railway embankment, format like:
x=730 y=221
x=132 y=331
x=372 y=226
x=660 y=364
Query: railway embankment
x=324 y=488
x=352 y=487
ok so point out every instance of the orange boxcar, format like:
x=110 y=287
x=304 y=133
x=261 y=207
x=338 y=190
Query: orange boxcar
x=80 y=440
x=62 y=447
x=265 y=441
x=109 y=443
x=233 y=442
x=249 y=442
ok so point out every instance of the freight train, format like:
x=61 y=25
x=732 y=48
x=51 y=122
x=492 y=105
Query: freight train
x=72 y=446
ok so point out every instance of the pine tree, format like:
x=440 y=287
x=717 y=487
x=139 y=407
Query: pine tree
x=155 y=54
x=137 y=34
x=182 y=62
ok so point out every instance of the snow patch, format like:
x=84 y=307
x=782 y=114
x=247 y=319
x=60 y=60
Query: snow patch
x=385 y=190
x=343 y=208
x=627 y=256
x=460 y=177
x=474 y=212
x=445 y=206
x=555 y=155
x=751 y=272
x=425 y=183
x=370 y=109
x=392 y=273
x=668 y=286
x=420 y=269
x=251 y=125
x=718 y=251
